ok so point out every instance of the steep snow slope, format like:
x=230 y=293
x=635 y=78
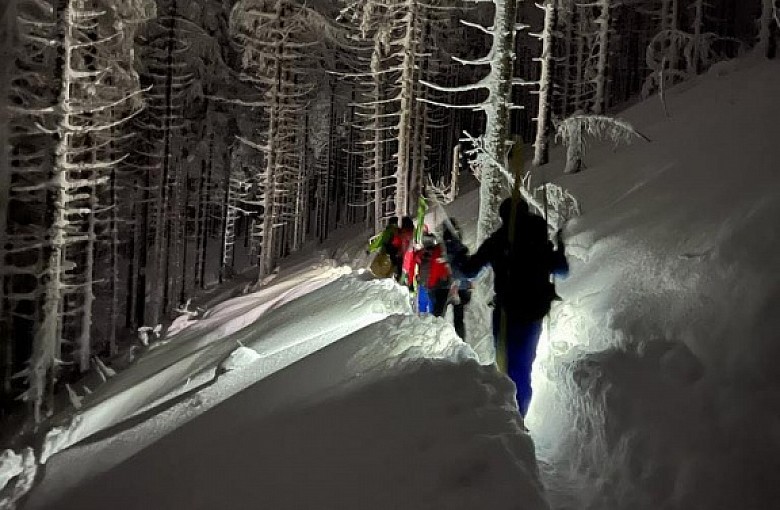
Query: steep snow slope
x=395 y=415
x=655 y=387
x=659 y=387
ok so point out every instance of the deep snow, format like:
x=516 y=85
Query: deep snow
x=659 y=386
x=337 y=396
x=373 y=421
x=655 y=387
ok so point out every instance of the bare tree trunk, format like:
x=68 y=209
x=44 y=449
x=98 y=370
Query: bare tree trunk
x=497 y=134
x=85 y=348
x=159 y=302
x=579 y=103
x=8 y=45
x=407 y=109
x=765 y=33
x=567 y=21
x=203 y=217
x=698 y=21
x=229 y=225
x=185 y=237
x=46 y=343
x=604 y=22
x=379 y=154
x=542 y=153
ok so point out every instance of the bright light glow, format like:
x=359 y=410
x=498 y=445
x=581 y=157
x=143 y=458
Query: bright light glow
x=546 y=415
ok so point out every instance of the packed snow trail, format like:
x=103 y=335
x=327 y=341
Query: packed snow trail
x=340 y=398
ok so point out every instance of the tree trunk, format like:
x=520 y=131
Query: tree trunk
x=765 y=33
x=599 y=103
x=407 y=109
x=46 y=343
x=8 y=20
x=379 y=154
x=542 y=152
x=497 y=134
x=159 y=301
x=698 y=20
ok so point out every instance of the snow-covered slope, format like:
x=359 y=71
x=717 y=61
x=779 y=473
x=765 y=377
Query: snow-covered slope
x=336 y=397
x=190 y=358
x=373 y=421
x=655 y=387
x=659 y=387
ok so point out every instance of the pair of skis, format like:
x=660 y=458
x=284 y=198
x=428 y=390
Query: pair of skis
x=516 y=167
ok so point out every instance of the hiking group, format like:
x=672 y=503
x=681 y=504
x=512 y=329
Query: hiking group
x=439 y=270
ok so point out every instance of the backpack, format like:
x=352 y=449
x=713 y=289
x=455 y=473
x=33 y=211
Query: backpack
x=433 y=269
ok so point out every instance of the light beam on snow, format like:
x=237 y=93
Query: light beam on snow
x=545 y=417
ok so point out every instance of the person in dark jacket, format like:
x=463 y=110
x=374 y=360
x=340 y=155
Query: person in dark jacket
x=523 y=290
x=455 y=250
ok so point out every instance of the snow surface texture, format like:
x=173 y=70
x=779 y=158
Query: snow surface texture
x=396 y=414
x=192 y=354
x=404 y=433
x=659 y=386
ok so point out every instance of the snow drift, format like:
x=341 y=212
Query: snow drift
x=398 y=414
x=659 y=387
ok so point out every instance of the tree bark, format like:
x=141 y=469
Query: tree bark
x=492 y=187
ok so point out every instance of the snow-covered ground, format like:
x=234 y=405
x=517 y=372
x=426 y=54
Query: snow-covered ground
x=659 y=385
x=656 y=384
x=323 y=389
x=396 y=415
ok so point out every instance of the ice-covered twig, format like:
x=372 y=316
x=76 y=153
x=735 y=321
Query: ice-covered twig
x=74 y=397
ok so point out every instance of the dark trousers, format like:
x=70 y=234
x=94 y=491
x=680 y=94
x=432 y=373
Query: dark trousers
x=458 y=311
x=521 y=341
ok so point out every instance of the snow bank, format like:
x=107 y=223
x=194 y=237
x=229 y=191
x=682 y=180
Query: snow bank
x=659 y=386
x=17 y=473
x=396 y=415
x=263 y=321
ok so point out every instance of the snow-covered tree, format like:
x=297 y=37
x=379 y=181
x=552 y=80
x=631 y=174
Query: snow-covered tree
x=281 y=45
x=94 y=86
x=769 y=28
x=604 y=30
x=8 y=36
x=573 y=133
x=181 y=61
x=397 y=120
x=545 y=84
x=494 y=144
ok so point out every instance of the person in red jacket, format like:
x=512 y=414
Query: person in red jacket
x=401 y=245
x=433 y=274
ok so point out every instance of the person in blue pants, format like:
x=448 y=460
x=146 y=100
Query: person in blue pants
x=522 y=340
x=522 y=265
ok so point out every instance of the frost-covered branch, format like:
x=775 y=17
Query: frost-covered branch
x=572 y=132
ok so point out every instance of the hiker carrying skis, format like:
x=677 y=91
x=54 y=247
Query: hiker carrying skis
x=523 y=290
x=459 y=293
